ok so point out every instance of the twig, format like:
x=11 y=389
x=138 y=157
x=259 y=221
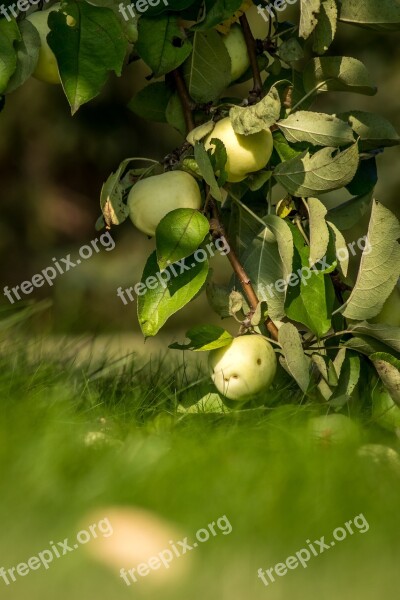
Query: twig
x=218 y=232
x=185 y=99
x=252 y=52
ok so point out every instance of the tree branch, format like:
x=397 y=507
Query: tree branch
x=218 y=232
x=185 y=99
x=252 y=52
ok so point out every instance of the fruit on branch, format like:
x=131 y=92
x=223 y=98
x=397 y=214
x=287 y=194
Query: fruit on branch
x=152 y=198
x=246 y=153
x=244 y=368
x=384 y=410
x=46 y=69
x=235 y=44
x=390 y=313
x=333 y=429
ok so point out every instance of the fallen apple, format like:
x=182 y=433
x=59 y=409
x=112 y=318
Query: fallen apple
x=334 y=429
x=152 y=198
x=244 y=368
x=246 y=153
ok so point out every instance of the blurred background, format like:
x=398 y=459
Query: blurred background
x=53 y=166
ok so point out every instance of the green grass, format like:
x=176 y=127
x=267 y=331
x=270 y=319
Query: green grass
x=258 y=467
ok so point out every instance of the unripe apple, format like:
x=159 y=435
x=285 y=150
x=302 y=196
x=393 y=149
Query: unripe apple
x=334 y=429
x=244 y=368
x=390 y=313
x=235 y=44
x=384 y=410
x=246 y=153
x=46 y=68
x=152 y=198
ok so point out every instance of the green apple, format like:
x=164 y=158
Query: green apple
x=334 y=429
x=46 y=68
x=152 y=198
x=244 y=368
x=390 y=313
x=384 y=410
x=246 y=153
x=235 y=44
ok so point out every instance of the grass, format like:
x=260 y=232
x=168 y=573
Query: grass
x=74 y=439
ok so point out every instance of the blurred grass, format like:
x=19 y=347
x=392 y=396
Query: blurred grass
x=259 y=468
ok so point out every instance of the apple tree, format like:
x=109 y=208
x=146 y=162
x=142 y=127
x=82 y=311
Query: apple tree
x=248 y=180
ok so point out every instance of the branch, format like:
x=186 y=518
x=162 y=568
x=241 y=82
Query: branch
x=252 y=52
x=218 y=232
x=185 y=99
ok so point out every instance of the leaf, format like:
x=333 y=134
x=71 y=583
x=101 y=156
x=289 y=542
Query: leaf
x=366 y=345
x=27 y=49
x=316 y=128
x=324 y=171
x=341 y=250
x=162 y=44
x=114 y=209
x=157 y=304
x=204 y=338
x=9 y=34
x=373 y=130
x=290 y=51
x=308 y=17
x=285 y=152
x=200 y=132
x=205 y=166
x=261 y=116
x=387 y=334
x=325 y=31
x=388 y=369
x=218 y=299
x=349 y=213
x=174 y=114
x=338 y=74
x=297 y=362
x=179 y=234
x=365 y=178
x=87 y=51
x=348 y=380
x=381 y=16
x=151 y=102
x=208 y=70
x=319 y=231
x=218 y=11
x=379 y=268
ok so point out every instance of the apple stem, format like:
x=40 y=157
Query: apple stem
x=252 y=52
x=217 y=231
x=186 y=101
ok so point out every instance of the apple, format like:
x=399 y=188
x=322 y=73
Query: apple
x=235 y=45
x=243 y=368
x=390 y=313
x=152 y=198
x=46 y=69
x=333 y=429
x=384 y=410
x=246 y=153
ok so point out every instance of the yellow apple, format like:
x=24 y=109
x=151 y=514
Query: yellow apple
x=384 y=410
x=390 y=313
x=152 y=198
x=235 y=44
x=244 y=368
x=246 y=153
x=46 y=68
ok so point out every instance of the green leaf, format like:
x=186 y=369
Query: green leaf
x=9 y=34
x=204 y=338
x=316 y=128
x=27 y=55
x=338 y=74
x=203 y=160
x=365 y=179
x=381 y=16
x=373 y=130
x=208 y=70
x=319 y=231
x=388 y=369
x=175 y=115
x=297 y=363
x=87 y=51
x=349 y=213
x=349 y=378
x=218 y=11
x=290 y=51
x=259 y=117
x=379 y=268
x=325 y=31
x=284 y=151
x=157 y=304
x=341 y=250
x=308 y=17
x=387 y=334
x=179 y=234
x=324 y=171
x=151 y=102
x=162 y=44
